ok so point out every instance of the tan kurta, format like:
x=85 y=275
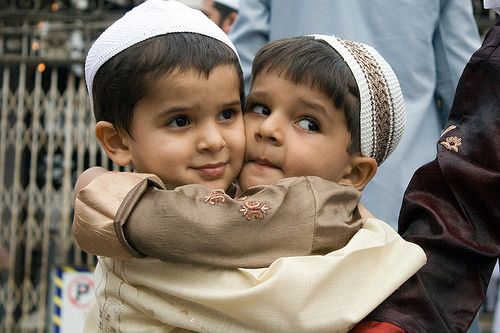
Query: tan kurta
x=328 y=293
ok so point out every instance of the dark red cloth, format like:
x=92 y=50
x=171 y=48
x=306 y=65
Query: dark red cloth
x=376 y=327
x=452 y=209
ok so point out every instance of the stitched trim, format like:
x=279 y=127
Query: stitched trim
x=379 y=96
x=449 y=128
x=254 y=210
x=125 y=209
x=315 y=226
x=215 y=197
x=452 y=143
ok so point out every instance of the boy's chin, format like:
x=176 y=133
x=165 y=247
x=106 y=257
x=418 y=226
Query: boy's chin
x=217 y=185
x=247 y=181
x=253 y=174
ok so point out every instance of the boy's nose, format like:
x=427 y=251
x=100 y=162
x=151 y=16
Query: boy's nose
x=210 y=139
x=270 y=130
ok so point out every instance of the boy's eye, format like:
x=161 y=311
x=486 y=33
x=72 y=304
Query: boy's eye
x=180 y=121
x=308 y=124
x=261 y=109
x=226 y=114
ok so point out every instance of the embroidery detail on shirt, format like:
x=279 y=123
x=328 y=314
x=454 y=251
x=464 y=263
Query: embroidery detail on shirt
x=109 y=314
x=215 y=197
x=449 y=128
x=452 y=143
x=254 y=210
x=193 y=321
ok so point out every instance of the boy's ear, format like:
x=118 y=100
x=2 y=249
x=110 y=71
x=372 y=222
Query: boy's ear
x=362 y=169
x=228 y=22
x=114 y=142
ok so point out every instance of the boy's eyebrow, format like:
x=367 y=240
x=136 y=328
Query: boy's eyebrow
x=256 y=94
x=306 y=103
x=231 y=103
x=183 y=108
x=170 y=111
x=313 y=106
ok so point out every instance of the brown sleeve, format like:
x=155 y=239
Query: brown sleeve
x=126 y=208
x=95 y=208
x=295 y=216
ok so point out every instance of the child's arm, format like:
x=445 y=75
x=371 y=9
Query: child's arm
x=296 y=216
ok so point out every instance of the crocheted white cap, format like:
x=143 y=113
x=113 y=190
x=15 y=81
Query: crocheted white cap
x=234 y=4
x=149 y=19
x=382 y=115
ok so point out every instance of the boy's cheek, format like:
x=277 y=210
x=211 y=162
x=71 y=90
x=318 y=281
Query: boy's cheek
x=238 y=140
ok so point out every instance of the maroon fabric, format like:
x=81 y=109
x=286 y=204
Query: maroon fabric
x=452 y=209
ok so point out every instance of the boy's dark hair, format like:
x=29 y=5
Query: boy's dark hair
x=223 y=10
x=125 y=79
x=314 y=63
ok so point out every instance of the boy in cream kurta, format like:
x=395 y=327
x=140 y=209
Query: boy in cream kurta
x=301 y=133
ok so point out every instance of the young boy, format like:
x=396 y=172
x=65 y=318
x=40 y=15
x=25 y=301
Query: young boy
x=166 y=89
x=369 y=254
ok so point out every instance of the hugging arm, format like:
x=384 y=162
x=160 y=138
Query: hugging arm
x=295 y=216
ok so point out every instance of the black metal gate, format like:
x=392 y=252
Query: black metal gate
x=46 y=141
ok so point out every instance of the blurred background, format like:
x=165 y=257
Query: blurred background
x=47 y=140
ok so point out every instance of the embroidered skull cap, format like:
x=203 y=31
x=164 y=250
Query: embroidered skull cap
x=382 y=115
x=149 y=19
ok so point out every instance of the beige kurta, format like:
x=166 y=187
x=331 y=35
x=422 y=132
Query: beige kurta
x=322 y=293
x=327 y=293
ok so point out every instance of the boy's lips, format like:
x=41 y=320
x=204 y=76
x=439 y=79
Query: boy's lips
x=262 y=162
x=212 y=170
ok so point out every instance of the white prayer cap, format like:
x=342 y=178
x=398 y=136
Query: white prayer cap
x=234 y=4
x=149 y=19
x=492 y=4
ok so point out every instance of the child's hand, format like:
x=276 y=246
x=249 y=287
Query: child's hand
x=87 y=176
x=365 y=213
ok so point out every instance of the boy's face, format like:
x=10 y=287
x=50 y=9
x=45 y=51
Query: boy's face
x=292 y=130
x=189 y=129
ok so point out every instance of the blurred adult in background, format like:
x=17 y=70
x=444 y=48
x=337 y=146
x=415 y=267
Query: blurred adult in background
x=222 y=12
x=427 y=44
